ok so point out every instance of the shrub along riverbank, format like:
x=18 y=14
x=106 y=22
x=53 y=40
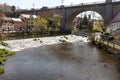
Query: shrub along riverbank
x=3 y=57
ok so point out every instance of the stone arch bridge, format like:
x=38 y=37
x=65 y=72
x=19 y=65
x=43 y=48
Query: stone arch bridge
x=108 y=10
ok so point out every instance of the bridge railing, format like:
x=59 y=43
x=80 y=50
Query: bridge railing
x=82 y=4
x=73 y=5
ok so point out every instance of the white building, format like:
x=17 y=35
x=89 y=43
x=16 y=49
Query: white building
x=114 y=25
x=19 y=25
x=28 y=19
x=7 y=24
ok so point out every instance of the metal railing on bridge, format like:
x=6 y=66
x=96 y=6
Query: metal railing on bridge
x=74 y=5
x=83 y=4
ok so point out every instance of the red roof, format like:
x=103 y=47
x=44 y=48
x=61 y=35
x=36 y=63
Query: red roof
x=116 y=18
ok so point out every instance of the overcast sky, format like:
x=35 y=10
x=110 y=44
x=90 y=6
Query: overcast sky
x=27 y=4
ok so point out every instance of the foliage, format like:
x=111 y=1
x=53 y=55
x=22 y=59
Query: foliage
x=2 y=60
x=97 y=28
x=98 y=25
x=9 y=53
x=2 y=70
x=48 y=22
x=13 y=35
x=91 y=38
x=35 y=39
x=85 y=20
x=16 y=15
x=41 y=23
x=4 y=53
x=13 y=8
x=116 y=36
x=65 y=37
x=90 y=25
x=62 y=40
x=3 y=43
x=54 y=22
x=101 y=19
x=75 y=30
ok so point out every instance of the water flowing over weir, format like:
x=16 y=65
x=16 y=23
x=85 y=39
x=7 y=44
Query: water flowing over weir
x=69 y=61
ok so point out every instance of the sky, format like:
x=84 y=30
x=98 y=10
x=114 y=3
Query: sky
x=28 y=4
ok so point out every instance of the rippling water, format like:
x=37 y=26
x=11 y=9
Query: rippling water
x=78 y=61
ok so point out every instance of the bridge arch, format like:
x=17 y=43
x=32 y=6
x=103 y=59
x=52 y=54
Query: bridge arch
x=73 y=15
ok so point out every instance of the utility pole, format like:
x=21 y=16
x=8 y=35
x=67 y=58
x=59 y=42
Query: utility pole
x=33 y=5
x=71 y=3
x=62 y=1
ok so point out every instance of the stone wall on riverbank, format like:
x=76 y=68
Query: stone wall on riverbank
x=108 y=47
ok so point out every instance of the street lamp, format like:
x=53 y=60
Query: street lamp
x=71 y=3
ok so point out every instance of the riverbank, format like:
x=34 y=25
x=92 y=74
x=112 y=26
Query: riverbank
x=18 y=45
x=108 y=46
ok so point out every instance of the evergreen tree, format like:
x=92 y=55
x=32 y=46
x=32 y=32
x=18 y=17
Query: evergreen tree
x=13 y=8
x=85 y=20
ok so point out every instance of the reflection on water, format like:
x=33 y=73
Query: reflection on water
x=78 y=61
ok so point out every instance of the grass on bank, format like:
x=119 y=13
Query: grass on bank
x=3 y=54
x=2 y=70
x=91 y=38
x=3 y=43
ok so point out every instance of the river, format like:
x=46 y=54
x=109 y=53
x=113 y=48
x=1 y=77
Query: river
x=70 y=61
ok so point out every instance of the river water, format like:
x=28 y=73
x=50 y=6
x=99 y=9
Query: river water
x=70 y=61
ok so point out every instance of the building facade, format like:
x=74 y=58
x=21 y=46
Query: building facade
x=10 y=25
x=7 y=24
x=28 y=19
x=114 y=25
x=19 y=25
